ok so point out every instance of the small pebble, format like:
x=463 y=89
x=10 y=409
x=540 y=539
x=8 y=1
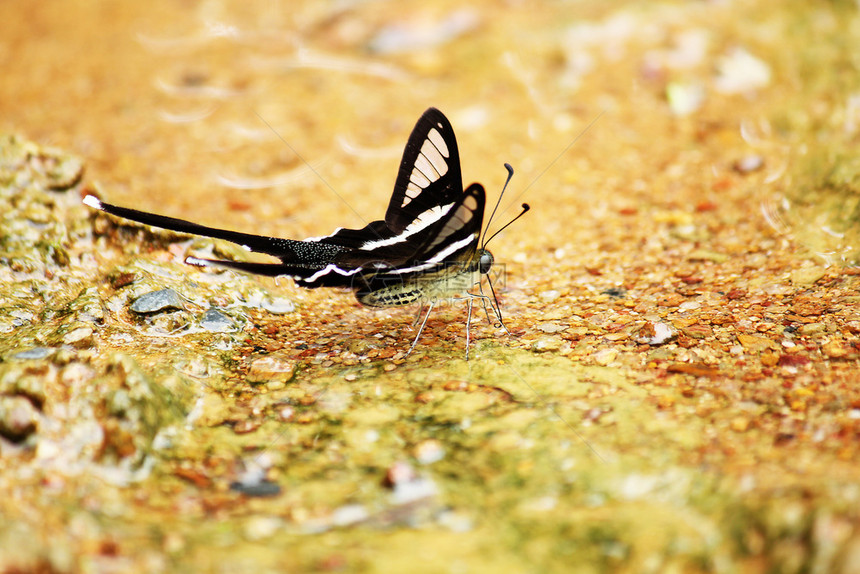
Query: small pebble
x=605 y=356
x=740 y=424
x=705 y=255
x=807 y=276
x=456 y=521
x=749 y=163
x=657 y=333
x=398 y=473
x=615 y=292
x=217 y=322
x=261 y=489
x=550 y=296
x=811 y=329
x=34 y=353
x=685 y=98
x=18 y=418
x=262 y=527
x=756 y=344
x=267 y=369
x=740 y=72
x=548 y=344
x=349 y=514
x=429 y=451
x=30 y=386
x=81 y=337
x=418 y=489
x=155 y=301
x=278 y=305
x=551 y=328
x=834 y=349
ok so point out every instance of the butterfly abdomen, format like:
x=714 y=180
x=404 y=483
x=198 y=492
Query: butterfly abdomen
x=449 y=283
x=392 y=296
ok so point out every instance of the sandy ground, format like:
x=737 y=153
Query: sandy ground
x=680 y=389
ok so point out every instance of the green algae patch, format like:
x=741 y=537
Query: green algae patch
x=822 y=207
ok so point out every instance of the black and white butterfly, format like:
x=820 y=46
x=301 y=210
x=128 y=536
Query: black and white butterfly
x=428 y=248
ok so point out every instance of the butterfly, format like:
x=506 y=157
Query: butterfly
x=427 y=249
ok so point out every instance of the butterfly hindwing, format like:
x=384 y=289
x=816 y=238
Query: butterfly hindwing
x=452 y=241
x=456 y=236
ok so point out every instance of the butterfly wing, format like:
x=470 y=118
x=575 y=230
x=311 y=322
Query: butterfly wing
x=450 y=244
x=309 y=263
x=429 y=177
x=428 y=187
x=455 y=237
x=428 y=220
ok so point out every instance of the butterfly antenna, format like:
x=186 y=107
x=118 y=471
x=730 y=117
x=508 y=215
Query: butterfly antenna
x=526 y=207
x=504 y=187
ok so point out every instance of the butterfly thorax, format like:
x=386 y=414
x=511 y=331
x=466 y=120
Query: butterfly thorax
x=448 y=281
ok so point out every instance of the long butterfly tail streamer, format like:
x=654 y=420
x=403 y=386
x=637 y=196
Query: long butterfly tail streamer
x=267 y=269
x=261 y=244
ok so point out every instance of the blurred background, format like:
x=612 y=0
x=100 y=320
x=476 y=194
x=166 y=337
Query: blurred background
x=682 y=292
x=260 y=106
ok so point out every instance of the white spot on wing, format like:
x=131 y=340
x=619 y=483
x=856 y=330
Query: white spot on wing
x=437 y=139
x=417 y=182
x=430 y=165
x=434 y=156
x=419 y=179
x=471 y=204
x=423 y=165
x=454 y=247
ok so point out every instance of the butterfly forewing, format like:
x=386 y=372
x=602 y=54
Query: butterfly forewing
x=429 y=179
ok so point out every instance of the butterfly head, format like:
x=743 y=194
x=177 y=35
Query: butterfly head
x=485 y=261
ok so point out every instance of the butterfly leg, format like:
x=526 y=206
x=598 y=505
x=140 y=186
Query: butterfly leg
x=421 y=328
x=493 y=302
x=485 y=300
x=497 y=308
x=418 y=315
x=468 y=324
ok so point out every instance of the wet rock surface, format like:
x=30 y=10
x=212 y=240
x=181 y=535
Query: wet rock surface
x=155 y=301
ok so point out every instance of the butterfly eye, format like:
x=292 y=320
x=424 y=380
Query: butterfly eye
x=485 y=262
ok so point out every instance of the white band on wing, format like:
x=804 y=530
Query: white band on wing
x=433 y=261
x=328 y=269
x=421 y=222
